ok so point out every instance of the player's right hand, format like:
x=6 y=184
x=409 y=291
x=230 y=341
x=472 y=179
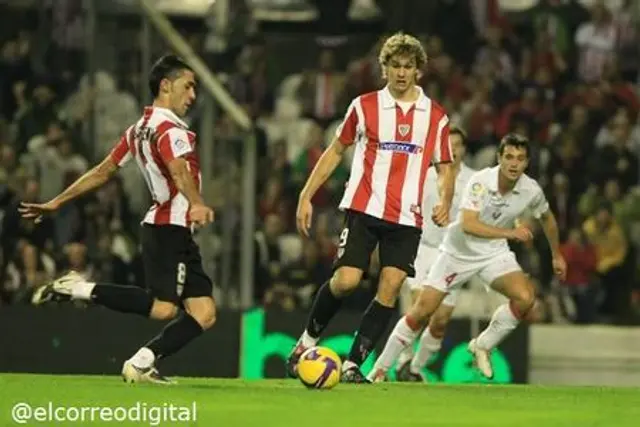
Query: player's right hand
x=303 y=216
x=200 y=215
x=35 y=211
x=521 y=233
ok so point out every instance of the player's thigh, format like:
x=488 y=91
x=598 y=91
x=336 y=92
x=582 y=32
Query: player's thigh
x=399 y=247
x=194 y=281
x=162 y=250
x=504 y=275
x=356 y=244
x=425 y=258
x=448 y=273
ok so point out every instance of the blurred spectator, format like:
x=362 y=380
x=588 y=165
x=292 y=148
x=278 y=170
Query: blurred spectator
x=596 y=42
x=580 y=284
x=616 y=160
x=611 y=246
x=302 y=167
x=29 y=269
x=267 y=257
x=627 y=23
x=40 y=110
x=76 y=259
x=493 y=60
x=321 y=89
x=301 y=279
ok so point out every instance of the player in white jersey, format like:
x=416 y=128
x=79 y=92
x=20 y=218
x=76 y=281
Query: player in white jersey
x=409 y=364
x=177 y=286
x=475 y=244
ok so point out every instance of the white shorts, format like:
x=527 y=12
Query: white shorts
x=425 y=259
x=448 y=273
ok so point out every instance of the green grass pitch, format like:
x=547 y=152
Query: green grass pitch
x=265 y=403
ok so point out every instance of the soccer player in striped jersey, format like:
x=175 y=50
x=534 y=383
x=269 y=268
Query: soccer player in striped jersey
x=178 y=289
x=397 y=133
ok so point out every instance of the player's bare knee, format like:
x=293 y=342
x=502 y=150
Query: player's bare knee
x=345 y=280
x=204 y=312
x=522 y=301
x=391 y=280
x=163 y=310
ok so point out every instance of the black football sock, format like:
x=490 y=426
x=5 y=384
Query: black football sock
x=126 y=299
x=178 y=333
x=325 y=306
x=374 y=322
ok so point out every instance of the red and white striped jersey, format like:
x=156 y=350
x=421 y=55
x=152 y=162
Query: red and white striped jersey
x=393 y=151
x=153 y=141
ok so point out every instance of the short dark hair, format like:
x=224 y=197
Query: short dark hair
x=167 y=67
x=514 y=140
x=455 y=130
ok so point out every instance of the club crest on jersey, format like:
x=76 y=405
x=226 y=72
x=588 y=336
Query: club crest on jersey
x=404 y=129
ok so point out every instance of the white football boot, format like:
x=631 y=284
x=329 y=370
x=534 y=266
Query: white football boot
x=134 y=374
x=63 y=288
x=482 y=359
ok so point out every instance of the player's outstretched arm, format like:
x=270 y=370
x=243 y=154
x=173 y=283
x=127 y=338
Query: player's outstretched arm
x=471 y=224
x=550 y=227
x=327 y=163
x=88 y=182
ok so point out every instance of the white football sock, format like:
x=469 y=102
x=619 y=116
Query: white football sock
x=307 y=340
x=144 y=358
x=401 y=337
x=405 y=356
x=82 y=290
x=428 y=346
x=502 y=323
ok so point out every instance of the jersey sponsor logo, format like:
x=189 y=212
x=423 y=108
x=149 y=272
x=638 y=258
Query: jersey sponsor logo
x=402 y=147
x=404 y=129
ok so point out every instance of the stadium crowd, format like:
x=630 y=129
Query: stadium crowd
x=563 y=75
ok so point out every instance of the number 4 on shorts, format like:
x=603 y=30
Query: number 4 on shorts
x=450 y=278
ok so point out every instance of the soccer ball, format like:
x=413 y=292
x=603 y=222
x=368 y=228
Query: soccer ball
x=319 y=367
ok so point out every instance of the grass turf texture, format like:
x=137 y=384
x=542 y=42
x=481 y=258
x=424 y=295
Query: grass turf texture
x=264 y=403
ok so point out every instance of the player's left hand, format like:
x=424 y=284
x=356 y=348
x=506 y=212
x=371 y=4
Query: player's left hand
x=559 y=267
x=440 y=214
x=36 y=211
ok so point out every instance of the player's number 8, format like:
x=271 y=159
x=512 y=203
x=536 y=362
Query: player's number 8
x=343 y=237
x=182 y=273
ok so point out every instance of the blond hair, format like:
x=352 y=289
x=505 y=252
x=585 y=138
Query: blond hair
x=402 y=44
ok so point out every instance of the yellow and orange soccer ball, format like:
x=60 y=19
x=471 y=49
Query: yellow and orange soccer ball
x=319 y=367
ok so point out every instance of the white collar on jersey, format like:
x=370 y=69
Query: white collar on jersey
x=493 y=182
x=170 y=115
x=388 y=101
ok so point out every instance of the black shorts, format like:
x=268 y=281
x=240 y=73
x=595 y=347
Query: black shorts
x=397 y=244
x=172 y=264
